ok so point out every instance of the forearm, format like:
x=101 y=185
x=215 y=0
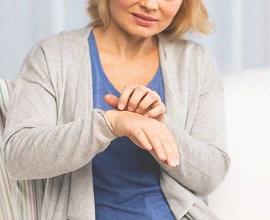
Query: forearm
x=202 y=166
x=47 y=151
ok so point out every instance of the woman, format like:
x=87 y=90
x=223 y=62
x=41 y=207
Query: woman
x=160 y=154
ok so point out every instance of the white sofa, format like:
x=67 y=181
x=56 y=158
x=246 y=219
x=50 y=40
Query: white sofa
x=19 y=200
x=245 y=192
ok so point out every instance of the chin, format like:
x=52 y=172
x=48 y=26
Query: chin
x=142 y=35
x=141 y=32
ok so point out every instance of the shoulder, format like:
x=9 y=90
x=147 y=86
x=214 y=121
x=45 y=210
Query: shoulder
x=192 y=59
x=65 y=48
x=64 y=38
x=200 y=62
x=196 y=57
x=52 y=56
x=189 y=50
x=63 y=45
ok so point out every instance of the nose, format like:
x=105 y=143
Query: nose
x=150 y=4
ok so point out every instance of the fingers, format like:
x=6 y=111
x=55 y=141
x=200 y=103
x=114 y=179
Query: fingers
x=171 y=151
x=164 y=146
x=140 y=139
x=148 y=101
x=125 y=95
x=158 y=140
x=158 y=149
x=138 y=97
x=140 y=94
x=111 y=100
x=157 y=145
x=157 y=109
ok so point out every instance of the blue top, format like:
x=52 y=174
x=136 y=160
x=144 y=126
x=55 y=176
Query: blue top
x=126 y=178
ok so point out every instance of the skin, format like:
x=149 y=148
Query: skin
x=139 y=99
x=141 y=115
x=148 y=133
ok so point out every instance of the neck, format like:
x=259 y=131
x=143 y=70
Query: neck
x=117 y=41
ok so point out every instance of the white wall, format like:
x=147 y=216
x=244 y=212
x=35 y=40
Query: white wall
x=242 y=37
x=241 y=40
x=23 y=23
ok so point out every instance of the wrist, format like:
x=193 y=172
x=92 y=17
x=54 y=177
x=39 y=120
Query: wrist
x=110 y=119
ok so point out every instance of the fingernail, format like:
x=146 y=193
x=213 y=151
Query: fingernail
x=172 y=163
x=121 y=106
x=177 y=162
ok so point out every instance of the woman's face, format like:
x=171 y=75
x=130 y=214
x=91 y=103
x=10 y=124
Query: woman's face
x=143 y=18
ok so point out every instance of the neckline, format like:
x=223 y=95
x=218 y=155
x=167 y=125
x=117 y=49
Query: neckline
x=94 y=47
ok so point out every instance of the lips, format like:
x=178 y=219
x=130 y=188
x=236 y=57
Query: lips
x=145 y=17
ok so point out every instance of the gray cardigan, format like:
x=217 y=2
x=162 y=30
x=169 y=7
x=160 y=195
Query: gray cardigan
x=53 y=132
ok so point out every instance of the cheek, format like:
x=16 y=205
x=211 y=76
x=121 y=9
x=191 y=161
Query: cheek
x=171 y=10
x=123 y=4
x=120 y=8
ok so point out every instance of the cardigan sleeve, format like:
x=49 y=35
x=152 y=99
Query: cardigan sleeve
x=203 y=161
x=35 y=146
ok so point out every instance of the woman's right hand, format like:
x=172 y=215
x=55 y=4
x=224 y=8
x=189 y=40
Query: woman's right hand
x=148 y=133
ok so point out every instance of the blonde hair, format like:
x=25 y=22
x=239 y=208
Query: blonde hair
x=191 y=17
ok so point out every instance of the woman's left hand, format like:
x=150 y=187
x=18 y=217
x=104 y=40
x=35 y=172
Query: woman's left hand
x=139 y=99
